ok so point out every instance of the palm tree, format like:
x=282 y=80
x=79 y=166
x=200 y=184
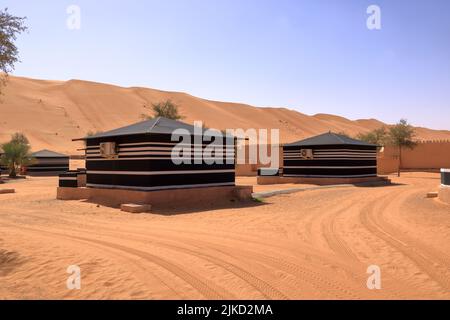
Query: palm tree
x=16 y=154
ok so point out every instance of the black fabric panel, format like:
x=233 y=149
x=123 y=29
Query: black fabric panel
x=45 y=173
x=159 y=180
x=69 y=174
x=352 y=147
x=330 y=163
x=68 y=183
x=445 y=178
x=60 y=165
x=330 y=172
x=150 y=165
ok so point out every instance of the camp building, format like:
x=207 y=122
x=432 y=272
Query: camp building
x=48 y=163
x=330 y=155
x=139 y=157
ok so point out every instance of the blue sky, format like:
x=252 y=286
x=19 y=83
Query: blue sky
x=314 y=56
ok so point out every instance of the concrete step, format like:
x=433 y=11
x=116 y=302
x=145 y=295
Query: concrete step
x=135 y=208
x=2 y=191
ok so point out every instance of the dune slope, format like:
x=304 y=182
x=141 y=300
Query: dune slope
x=51 y=113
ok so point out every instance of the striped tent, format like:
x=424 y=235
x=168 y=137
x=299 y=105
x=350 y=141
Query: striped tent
x=330 y=155
x=48 y=163
x=138 y=157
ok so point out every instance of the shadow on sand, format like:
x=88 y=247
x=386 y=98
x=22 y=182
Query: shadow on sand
x=170 y=210
x=392 y=184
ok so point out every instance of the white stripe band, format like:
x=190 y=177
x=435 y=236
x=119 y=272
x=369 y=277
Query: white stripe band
x=159 y=153
x=231 y=160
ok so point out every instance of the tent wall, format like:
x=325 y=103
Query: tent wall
x=47 y=166
x=344 y=161
x=144 y=163
x=445 y=177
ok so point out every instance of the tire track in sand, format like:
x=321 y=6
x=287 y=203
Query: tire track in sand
x=207 y=289
x=371 y=217
x=261 y=286
x=334 y=240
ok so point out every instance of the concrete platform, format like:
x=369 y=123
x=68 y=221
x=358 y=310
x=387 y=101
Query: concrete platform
x=160 y=198
x=264 y=180
x=444 y=194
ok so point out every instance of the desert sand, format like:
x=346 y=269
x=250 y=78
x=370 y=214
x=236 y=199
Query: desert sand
x=52 y=113
x=307 y=245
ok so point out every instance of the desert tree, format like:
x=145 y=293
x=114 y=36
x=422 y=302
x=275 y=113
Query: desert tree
x=20 y=138
x=402 y=135
x=166 y=109
x=91 y=133
x=16 y=154
x=377 y=136
x=10 y=27
x=343 y=133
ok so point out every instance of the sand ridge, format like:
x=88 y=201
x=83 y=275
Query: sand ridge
x=52 y=113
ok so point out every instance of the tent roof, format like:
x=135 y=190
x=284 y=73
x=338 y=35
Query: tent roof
x=330 y=138
x=159 y=125
x=48 y=154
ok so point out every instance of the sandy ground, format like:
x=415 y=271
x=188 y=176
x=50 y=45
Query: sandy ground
x=69 y=109
x=308 y=245
x=247 y=181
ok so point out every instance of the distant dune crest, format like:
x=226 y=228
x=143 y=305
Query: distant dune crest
x=51 y=113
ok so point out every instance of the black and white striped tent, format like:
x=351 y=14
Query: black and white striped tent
x=48 y=163
x=138 y=157
x=330 y=155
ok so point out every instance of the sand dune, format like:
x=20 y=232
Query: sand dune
x=308 y=245
x=51 y=113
